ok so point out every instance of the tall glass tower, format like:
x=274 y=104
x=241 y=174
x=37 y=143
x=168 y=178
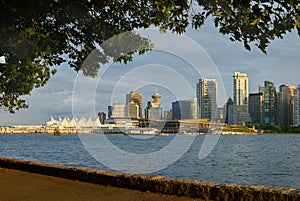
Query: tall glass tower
x=207 y=99
x=270 y=113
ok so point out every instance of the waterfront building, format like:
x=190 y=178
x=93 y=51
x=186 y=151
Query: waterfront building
x=109 y=111
x=228 y=115
x=182 y=109
x=239 y=111
x=297 y=107
x=194 y=108
x=206 y=90
x=132 y=110
x=102 y=117
x=269 y=91
x=240 y=89
x=285 y=105
x=66 y=122
x=153 y=110
x=256 y=107
x=168 y=115
x=119 y=110
x=220 y=115
x=237 y=115
x=137 y=99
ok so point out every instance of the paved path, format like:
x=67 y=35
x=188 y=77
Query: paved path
x=23 y=186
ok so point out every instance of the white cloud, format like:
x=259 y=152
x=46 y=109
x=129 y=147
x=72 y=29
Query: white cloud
x=280 y=65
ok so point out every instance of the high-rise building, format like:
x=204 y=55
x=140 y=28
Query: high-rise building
x=240 y=89
x=285 y=105
x=119 y=110
x=227 y=110
x=206 y=90
x=102 y=117
x=194 y=108
x=256 y=107
x=109 y=111
x=220 y=115
x=297 y=107
x=261 y=88
x=132 y=110
x=240 y=99
x=153 y=110
x=168 y=115
x=182 y=109
x=269 y=91
x=137 y=99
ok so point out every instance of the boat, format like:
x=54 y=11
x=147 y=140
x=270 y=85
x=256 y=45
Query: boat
x=141 y=131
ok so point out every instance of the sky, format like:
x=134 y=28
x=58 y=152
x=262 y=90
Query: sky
x=172 y=69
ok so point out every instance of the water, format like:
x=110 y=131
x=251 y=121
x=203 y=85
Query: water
x=268 y=160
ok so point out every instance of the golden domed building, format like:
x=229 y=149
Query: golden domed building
x=153 y=110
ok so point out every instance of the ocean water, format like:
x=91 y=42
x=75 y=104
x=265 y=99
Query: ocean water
x=265 y=160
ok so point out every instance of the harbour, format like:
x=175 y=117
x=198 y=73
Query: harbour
x=263 y=160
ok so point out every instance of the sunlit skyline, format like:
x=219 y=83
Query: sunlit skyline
x=280 y=66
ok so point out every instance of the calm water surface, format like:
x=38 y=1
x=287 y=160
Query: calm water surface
x=269 y=160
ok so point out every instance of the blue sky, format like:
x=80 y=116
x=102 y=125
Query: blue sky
x=173 y=68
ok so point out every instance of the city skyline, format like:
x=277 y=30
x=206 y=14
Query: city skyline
x=143 y=106
x=280 y=65
x=267 y=106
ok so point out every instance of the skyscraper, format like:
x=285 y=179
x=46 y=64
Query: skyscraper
x=194 y=108
x=182 y=109
x=227 y=108
x=137 y=99
x=256 y=107
x=119 y=110
x=132 y=110
x=239 y=110
x=269 y=91
x=285 y=105
x=206 y=90
x=297 y=107
x=240 y=89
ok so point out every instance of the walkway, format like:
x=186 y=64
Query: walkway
x=17 y=185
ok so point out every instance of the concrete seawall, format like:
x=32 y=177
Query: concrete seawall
x=157 y=184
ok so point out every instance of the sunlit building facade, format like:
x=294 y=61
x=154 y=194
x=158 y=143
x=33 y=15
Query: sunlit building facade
x=239 y=110
x=206 y=93
x=137 y=99
x=285 y=105
x=240 y=89
x=153 y=110
x=297 y=107
x=119 y=110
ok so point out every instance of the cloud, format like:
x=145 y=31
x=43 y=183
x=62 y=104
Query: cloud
x=280 y=65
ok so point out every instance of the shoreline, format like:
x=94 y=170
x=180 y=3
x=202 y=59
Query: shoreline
x=92 y=133
x=156 y=184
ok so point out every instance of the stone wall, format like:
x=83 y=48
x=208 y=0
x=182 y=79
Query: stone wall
x=157 y=184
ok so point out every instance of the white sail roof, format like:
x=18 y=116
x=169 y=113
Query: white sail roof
x=74 y=122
